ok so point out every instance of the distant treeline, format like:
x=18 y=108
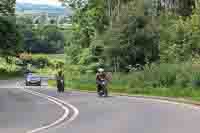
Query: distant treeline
x=41 y=39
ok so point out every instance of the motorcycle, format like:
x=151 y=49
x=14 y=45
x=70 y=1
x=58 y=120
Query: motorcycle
x=62 y=82
x=102 y=91
x=60 y=85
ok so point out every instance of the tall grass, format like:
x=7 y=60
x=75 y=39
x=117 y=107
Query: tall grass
x=8 y=70
x=174 y=80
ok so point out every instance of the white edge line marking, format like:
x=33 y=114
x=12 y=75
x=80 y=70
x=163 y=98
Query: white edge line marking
x=56 y=101
x=154 y=100
x=191 y=106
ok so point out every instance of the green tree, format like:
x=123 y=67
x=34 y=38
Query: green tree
x=132 y=39
x=7 y=7
x=10 y=37
x=54 y=37
x=115 y=29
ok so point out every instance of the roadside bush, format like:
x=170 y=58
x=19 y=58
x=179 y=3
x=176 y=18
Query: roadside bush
x=2 y=70
x=40 y=60
x=167 y=74
x=196 y=79
x=92 y=67
x=136 y=80
x=183 y=75
x=162 y=75
x=72 y=72
x=151 y=75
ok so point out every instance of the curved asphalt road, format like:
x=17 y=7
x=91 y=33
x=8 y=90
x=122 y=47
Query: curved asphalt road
x=108 y=115
x=20 y=111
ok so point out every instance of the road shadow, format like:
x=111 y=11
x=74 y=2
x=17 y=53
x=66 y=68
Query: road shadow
x=107 y=97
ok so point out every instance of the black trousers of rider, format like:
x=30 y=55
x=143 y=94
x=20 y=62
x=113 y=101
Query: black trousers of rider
x=99 y=88
x=60 y=86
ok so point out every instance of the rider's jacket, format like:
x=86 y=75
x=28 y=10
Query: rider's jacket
x=99 y=77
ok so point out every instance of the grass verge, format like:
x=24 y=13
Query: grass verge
x=10 y=75
x=186 y=93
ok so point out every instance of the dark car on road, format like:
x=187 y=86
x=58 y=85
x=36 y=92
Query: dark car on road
x=32 y=79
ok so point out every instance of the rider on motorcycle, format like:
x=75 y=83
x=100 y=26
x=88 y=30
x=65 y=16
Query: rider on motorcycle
x=60 y=81
x=101 y=75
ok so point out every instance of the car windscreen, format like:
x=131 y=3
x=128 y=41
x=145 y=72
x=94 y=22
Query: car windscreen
x=35 y=77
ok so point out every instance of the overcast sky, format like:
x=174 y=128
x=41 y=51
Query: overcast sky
x=49 y=2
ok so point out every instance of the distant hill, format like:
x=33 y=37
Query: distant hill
x=36 y=8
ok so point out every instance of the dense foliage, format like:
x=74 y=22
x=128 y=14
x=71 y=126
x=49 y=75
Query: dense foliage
x=120 y=34
x=7 y=7
x=10 y=37
x=129 y=37
x=41 y=38
x=114 y=32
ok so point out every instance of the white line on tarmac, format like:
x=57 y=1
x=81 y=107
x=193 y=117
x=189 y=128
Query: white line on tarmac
x=156 y=100
x=56 y=101
x=165 y=101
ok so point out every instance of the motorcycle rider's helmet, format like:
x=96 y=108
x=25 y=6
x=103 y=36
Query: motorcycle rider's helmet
x=100 y=70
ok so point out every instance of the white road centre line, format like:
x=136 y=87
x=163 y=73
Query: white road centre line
x=57 y=101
